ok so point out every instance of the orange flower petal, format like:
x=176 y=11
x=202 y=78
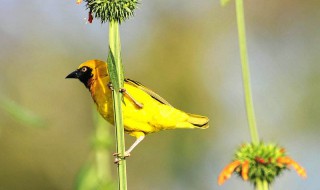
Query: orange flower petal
x=245 y=170
x=299 y=169
x=284 y=160
x=227 y=171
x=289 y=161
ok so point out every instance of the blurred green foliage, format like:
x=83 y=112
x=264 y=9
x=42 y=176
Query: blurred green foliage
x=21 y=114
x=96 y=173
x=88 y=179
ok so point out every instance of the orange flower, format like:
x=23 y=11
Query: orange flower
x=245 y=170
x=260 y=161
x=79 y=1
x=227 y=171
x=289 y=161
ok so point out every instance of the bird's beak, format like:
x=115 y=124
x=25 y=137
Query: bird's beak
x=73 y=75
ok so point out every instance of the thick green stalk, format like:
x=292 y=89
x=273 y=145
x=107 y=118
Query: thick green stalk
x=116 y=76
x=261 y=185
x=246 y=72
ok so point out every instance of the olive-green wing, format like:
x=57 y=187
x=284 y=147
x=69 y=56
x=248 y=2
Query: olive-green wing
x=147 y=90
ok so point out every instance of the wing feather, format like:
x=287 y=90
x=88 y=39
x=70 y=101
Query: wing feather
x=147 y=90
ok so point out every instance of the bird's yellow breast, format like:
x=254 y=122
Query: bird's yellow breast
x=102 y=96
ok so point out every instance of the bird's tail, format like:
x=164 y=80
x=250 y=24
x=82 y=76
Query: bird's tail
x=199 y=121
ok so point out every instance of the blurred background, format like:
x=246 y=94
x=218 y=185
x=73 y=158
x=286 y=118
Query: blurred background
x=187 y=51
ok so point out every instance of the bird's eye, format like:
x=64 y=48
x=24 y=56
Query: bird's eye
x=84 y=69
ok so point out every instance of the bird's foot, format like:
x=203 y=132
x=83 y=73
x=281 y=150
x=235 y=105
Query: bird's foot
x=119 y=157
x=110 y=86
x=125 y=92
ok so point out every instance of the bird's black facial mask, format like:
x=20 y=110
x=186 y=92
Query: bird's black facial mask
x=83 y=74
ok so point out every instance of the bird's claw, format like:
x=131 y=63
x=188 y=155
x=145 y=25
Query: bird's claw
x=110 y=86
x=118 y=157
x=123 y=90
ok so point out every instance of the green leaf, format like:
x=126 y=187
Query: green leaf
x=21 y=114
x=113 y=70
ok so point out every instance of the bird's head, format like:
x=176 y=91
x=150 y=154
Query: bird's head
x=89 y=71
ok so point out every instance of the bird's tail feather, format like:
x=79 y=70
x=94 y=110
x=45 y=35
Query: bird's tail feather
x=199 y=121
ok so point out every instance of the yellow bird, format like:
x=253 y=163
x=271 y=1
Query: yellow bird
x=144 y=111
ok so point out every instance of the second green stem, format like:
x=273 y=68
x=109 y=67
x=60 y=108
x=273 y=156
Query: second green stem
x=246 y=72
x=261 y=185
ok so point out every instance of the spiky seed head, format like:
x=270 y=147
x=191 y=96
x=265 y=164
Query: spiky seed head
x=111 y=10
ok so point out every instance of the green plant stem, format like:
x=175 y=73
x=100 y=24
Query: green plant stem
x=261 y=185
x=117 y=81
x=246 y=72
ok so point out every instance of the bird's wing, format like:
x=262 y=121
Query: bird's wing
x=147 y=90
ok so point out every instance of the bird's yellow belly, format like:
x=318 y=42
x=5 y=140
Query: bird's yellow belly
x=153 y=116
x=138 y=119
x=134 y=119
